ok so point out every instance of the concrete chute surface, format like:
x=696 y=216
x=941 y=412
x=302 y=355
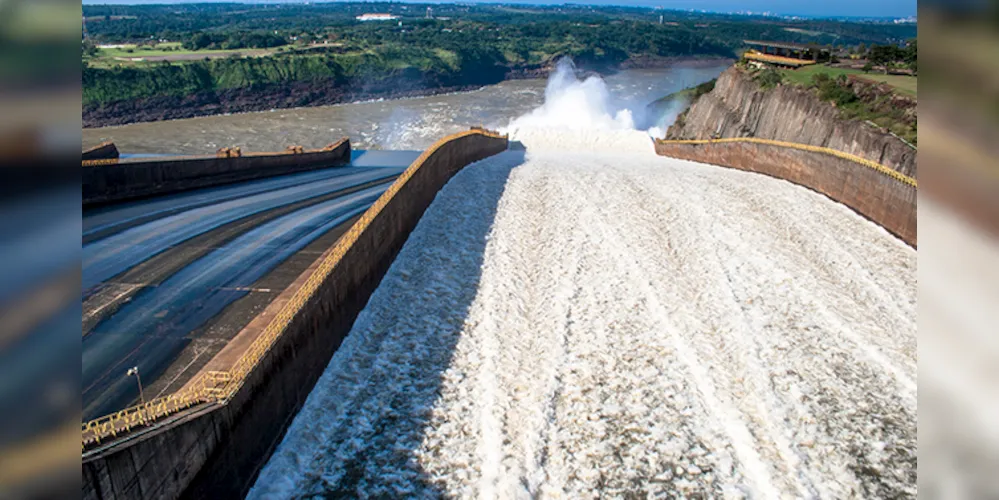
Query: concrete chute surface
x=639 y=324
x=168 y=280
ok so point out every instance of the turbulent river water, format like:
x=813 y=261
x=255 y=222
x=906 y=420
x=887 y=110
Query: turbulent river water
x=387 y=124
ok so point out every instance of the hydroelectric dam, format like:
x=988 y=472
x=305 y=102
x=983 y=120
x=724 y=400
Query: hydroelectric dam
x=544 y=314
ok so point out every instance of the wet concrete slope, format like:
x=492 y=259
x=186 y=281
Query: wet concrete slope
x=161 y=275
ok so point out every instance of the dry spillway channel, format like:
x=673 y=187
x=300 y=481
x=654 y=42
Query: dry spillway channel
x=562 y=324
x=167 y=281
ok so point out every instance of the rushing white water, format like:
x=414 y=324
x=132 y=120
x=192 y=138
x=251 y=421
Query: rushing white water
x=570 y=322
x=575 y=104
x=579 y=114
x=585 y=316
x=413 y=123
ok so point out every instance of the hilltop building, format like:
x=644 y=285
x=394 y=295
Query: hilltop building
x=376 y=17
x=792 y=55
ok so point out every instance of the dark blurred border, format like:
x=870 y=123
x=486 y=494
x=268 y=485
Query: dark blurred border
x=959 y=250
x=40 y=249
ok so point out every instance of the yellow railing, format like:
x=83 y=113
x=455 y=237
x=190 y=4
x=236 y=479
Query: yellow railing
x=204 y=390
x=220 y=386
x=894 y=174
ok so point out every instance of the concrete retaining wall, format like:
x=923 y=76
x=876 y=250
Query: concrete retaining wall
x=102 y=151
x=887 y=199
x=110 y=181
x=215 y=451
x=739 y=107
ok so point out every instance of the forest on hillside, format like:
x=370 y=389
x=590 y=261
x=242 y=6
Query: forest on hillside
x=450 y=46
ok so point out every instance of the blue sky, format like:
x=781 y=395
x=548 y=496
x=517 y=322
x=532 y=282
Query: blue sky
x=859 y=8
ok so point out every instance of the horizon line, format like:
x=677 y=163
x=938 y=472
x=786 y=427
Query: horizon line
x=541 y=3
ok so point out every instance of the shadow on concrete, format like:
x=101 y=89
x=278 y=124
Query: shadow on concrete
x=360 y=431
x=383 y=158
x=154 y=326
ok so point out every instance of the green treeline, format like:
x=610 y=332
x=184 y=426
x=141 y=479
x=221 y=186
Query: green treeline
x=109 y=85
x=879 y=108
x=234 y=40
x=470 y=54
x=437 y=67
x=460 y=45
x=128 y=23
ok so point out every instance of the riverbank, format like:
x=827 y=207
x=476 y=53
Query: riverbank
x=245 y=100
x=330 y=92
x=411 y=123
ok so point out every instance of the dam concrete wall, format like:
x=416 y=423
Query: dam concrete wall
x=214 y=449
x=740 y=107
x=876 y=192
x=110 y=180
x=102 y=151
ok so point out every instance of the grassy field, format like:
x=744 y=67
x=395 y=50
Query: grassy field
x=170 y=51
x=905 y=85
x=132 y=50
x=164 y=49
x=880 y=110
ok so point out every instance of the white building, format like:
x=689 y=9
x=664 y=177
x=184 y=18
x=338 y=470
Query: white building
x=376 y=17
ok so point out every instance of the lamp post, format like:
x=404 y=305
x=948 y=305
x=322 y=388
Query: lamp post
x=135 y=371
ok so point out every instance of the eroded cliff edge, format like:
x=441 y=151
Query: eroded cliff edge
x=739 y=107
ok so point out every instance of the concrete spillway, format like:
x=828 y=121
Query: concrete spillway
x=562 y=323
x=168 y=280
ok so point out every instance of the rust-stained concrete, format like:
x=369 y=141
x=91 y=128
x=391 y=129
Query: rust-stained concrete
x=111 y=181
x=738 y=107
x=882 y=199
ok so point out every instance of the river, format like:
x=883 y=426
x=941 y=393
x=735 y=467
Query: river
x=413 y=123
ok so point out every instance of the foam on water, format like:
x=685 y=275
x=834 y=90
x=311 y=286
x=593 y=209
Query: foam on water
x=579 y=114
x=570 y=322
x=574 y=140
